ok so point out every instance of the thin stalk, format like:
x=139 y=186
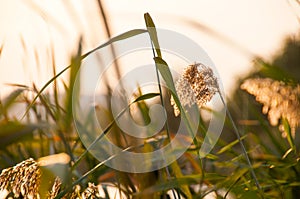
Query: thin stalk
x=108 y=34
x=163 y=104
x=160 y=93
x=241 y=143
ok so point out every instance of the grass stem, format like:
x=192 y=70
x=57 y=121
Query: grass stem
x=241 y=143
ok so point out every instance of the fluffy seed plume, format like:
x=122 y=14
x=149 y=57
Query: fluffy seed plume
x=279 y=100
x=197 y=84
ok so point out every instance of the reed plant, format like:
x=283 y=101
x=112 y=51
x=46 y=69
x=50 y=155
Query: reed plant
x=240 y=167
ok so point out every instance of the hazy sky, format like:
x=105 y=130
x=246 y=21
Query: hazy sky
x=29 y=30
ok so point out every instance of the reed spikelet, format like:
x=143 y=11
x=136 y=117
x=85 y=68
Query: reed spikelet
x=22 y=180
x=75 y=194
x=197 y=84
x=55 y=188
x=279 y=100
x=91 y=192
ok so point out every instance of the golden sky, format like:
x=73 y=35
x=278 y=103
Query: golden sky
x=30 y=29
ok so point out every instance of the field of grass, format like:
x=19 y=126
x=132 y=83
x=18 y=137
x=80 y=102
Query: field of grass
x=256 y=156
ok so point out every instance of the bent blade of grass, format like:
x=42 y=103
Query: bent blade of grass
x=169 y=79
x=288 y=131
x=145 y=97
x=156 y=48
x=152 y=33
x=9 y=100
x=120 y=37
x=230 y=145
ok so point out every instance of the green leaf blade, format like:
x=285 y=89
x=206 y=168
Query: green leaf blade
x=153 y=33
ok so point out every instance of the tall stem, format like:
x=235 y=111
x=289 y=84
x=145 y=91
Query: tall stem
x=241 y=143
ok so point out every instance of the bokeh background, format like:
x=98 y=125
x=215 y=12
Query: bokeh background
x=232 y=32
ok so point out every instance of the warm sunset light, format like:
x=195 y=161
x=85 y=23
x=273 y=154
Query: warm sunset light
x=149 y=99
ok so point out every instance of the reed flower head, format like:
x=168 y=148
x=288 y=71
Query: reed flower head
x=55 y=188
x=22 y=180
x=197 y=84
x=91 y=192
x=279 y=100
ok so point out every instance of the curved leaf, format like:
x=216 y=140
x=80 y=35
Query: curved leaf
x=122 y=36
x=145 y=97
x=153 y=33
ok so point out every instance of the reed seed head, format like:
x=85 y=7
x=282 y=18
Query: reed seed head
x=197 y=84
x=22 y=180
x=91 y=192
x=279 y=100
x=55 y=188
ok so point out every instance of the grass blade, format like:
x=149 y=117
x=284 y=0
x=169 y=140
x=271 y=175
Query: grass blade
x=9 y=100
x=230 y=145
x=288 y=131
x=152 y=32
x=123 y=36
x=145 y=97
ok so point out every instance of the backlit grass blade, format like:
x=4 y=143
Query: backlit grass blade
x=145 y=97
x=122 y=36
x=288 y=131
x=230 y=145
x=153 y=33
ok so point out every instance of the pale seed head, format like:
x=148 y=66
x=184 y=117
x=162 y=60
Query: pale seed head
x=279 y=100
x=197 y=85
x=22 y=180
